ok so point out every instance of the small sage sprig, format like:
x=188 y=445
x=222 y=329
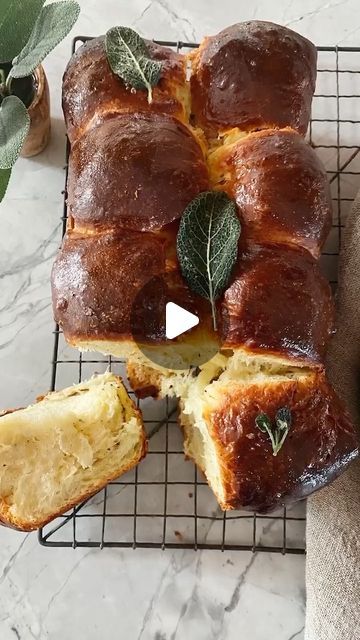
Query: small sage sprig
x=207 y=244
x=277 y=432
x=129 y=58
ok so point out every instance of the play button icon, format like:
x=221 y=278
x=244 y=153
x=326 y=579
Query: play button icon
x=171 y=326
x=178 y=320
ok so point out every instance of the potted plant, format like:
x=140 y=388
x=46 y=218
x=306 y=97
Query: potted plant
x=27 y=34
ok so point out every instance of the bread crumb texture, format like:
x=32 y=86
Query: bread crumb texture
x=66 y=447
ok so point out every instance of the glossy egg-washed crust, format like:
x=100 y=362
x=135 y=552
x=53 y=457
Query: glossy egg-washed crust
x=99 y=280
x=91 y=90
x=134 y=167
x=136 y=171
x=320 y=443
x=253 y=75
x=278 y=303
x=279 y=185
x=164 y=170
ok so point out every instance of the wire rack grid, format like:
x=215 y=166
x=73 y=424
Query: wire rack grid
x=165 y=502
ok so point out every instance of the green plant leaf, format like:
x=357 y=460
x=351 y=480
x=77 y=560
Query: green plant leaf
x=14 y=127
x=263 y=422
x=207 y=244
x=128 y=57
x=16 y=24
x=277 y=432
x=283 y=418
x=4 y=181
x=53 y=24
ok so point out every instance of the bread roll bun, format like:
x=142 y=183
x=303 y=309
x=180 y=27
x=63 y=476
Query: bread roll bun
x=278 y=304
x=91 y=90
x=279 y=185
x=237 y=458
x=162 y=170
x=253 y=75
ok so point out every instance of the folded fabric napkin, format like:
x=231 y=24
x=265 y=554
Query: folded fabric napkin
x=333 y=514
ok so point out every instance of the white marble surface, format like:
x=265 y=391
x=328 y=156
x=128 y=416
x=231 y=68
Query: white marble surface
x=59 y=594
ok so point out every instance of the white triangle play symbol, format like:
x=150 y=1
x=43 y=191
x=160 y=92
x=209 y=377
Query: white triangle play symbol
x=178 y=320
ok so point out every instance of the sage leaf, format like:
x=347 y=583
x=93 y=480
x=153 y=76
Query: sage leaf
x=263 y=422
x=207 y=244
x=129 y=58
x=4 y=181
x=52 y=25
x=277 y=432
x=283 y=418
x=14 y=127
x=16 y=24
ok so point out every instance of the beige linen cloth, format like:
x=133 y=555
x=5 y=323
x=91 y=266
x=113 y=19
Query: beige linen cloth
x=333 y=514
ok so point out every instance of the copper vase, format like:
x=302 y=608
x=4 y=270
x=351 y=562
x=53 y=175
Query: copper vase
x=39 y=112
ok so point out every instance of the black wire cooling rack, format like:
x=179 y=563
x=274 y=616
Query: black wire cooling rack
x=165 y=502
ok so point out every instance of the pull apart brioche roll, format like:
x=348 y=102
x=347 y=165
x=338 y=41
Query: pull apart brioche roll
x=65 y=448
x=278 y=305
x=136 y=171
x=134 y=167
x=91 y=90
x=279 y=185
x=222 y=438
x=100 y=313
x=130 y=179
x=253 y=75
x=92 y=306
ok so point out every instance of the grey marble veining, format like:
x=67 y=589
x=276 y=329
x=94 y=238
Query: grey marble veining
x=57 y=594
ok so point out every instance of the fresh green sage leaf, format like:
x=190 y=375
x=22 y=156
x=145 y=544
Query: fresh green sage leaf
x=277 y=432
x=4 y=181
x=52 y=25
x=283 y=418
x=129 y=58
x=16 y=24
x=263 y=422
x=207 y=244
x=14 y=127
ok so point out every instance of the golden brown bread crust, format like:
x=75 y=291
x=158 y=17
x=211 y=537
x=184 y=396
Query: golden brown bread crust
x=253 y=75
x=279 y=304
x=279 y=185
x=91 y=89
x=145 y=381
x=114 y=284
x=163 y=171
x=95 y=279
x=320 y=444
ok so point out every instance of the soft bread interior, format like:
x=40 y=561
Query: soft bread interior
x=179 y=355
x=200 y=393
x=201 y=396
x=66 y=447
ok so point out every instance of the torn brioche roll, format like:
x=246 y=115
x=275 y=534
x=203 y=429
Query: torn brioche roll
x=237 y=458
x=65 y=448
x=219 y=405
